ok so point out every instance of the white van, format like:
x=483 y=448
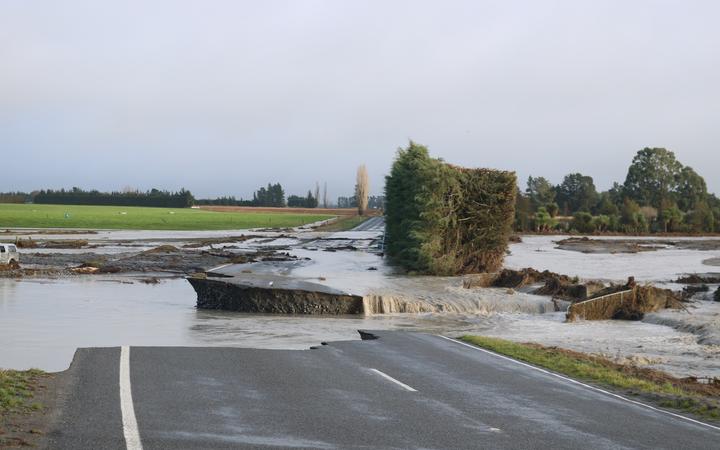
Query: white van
x=9 y=254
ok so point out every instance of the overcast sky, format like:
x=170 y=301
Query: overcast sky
x=221 y=97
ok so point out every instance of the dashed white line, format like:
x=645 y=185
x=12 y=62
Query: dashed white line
x=129 y=421
x=219 y=267
x=388 y=377
x=620 y=397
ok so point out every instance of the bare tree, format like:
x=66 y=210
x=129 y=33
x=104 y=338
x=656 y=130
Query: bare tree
x=317 y=193
x=325 y=199
x=362 y=186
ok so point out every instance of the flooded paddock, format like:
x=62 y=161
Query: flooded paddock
x=43 y=321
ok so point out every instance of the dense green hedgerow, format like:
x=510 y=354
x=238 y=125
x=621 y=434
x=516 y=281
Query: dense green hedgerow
x=446 y=220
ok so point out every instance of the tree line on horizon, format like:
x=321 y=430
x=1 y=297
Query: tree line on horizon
x=274 y=196
x=659 y=195
x=77 y=196
x=271 y=196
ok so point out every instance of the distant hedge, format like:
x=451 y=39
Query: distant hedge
x=154 y=197
x=14 y=197
x=446 y=220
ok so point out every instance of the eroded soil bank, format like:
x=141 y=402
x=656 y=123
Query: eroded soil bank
x=272 y=295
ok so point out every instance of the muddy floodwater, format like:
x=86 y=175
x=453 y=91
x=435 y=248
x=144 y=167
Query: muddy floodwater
x=43 y=321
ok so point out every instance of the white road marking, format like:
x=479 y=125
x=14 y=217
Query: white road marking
x=620 y=397
x=130 y=426
x=219 y=267
x=388 y=377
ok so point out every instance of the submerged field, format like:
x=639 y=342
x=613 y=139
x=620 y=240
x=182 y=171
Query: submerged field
x=135 y=218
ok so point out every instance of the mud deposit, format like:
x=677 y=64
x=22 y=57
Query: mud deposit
x=712 y=262
x=165 y=259
x=615 y=245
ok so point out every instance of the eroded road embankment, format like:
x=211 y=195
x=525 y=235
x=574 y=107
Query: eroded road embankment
x=402 y=390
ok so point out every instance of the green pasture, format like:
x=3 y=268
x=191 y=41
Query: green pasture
x=137 y=218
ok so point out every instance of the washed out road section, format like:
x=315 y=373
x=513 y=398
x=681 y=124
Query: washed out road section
x=353 y=395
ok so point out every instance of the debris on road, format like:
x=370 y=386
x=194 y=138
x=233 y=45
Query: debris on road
x=58 y=244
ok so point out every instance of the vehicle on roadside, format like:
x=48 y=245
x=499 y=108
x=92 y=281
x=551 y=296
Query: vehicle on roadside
x=9 y=254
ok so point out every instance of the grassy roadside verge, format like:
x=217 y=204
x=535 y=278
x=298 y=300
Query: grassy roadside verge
x=682 y=394
x=22 y=408
x=17 y=389
x=343 y=223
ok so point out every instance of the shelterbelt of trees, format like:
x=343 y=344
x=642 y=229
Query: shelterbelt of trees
x=76 y=196
x=271 y=196
x=659 y=195
x=274 y=196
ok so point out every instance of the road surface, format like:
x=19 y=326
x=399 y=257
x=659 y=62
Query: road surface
x=402 y=390
x=372 y=224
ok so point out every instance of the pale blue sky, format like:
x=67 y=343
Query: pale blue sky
x=223 y=96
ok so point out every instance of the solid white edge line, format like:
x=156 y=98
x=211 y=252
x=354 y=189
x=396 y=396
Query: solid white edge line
x=388 y=377
x=129 y=421
x=644 y=405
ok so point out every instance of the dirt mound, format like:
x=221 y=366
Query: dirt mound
x=557 y=287
x=587 y=245
x=691 y=290
x=18 y=273
x=476 y=280
x=150 y=280
x=509 y=278
x=25 y=243
x=61 y=243
x=85 y=270
x=694 y=278
x=620 y=245
x=12 y=266
x=162 y=249
x=165 y=258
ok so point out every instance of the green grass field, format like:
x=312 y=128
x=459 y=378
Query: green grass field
x=134 y=218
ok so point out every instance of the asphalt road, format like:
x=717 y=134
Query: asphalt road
x=372 y=224
x=403 y=390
